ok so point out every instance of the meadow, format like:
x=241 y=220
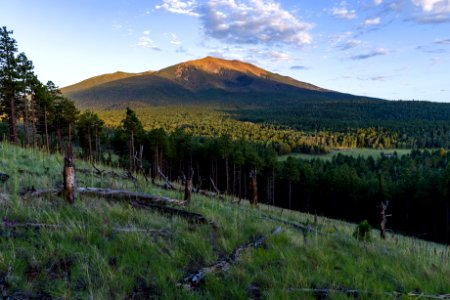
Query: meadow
x=104 y=249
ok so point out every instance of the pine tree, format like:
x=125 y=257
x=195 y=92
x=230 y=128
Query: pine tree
x=9 y=80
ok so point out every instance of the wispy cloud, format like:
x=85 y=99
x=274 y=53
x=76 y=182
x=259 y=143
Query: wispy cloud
x=377 y=2
x=253 y=22
x=301 y=68
x=349 y=44
x=179 y=7
x=372 y=21
x=442 y=42
x=377 y=52
x=343 y=12
x=146 y=42
x=174 y=39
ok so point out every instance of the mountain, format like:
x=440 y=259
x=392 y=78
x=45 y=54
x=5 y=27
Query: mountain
x=208 y=80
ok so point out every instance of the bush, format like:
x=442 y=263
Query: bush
x=362 y=231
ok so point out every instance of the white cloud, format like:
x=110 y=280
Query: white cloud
x=433 y=11
x=146 y=42
x=343 y=13
x=253 y=22
x=433 y=6
x=372 y=21
x=377 y=2
x=179 y=7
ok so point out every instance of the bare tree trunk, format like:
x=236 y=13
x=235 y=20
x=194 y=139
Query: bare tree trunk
x=384 y=207
x=253 y=188
x=69 y=178
x=290 y=194
x=90 y=144
x=227 y=175
x=26 y=122
x=13 y=122
x=188 y=186
x=47 y=144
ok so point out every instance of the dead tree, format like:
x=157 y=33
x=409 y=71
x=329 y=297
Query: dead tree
x=69 y=178
x=188 y=186
x=384 y=207
x=253 y=188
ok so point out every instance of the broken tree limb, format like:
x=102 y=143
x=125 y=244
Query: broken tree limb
x=222 y=265
x=121 y=195
x=214 y=186
x=168 y=185
x=189 y=216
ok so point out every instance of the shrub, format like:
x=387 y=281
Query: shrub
x=362 y=231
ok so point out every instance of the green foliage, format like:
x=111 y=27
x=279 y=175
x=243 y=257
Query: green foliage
x=362 y=231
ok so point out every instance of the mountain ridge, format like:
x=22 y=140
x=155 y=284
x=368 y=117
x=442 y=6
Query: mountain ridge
x=206 y=80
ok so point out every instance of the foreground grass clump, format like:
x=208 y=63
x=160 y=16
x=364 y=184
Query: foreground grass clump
x=100 y=249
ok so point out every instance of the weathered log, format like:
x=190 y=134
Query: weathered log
x=189 y=216
x=325 y=292
x=70 y=184
x=33 y=193
x=4 y=177
x=222 y=265
x=121 y=195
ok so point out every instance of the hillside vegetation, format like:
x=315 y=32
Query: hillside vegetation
x=102 y=249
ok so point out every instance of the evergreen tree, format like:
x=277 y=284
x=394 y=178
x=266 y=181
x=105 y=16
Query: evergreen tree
x=9 y=80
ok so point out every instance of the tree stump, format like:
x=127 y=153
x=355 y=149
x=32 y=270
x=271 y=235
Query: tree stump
x=70 y=185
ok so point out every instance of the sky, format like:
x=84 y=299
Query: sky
x=392 y=49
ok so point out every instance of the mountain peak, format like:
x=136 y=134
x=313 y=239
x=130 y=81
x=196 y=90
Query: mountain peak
x=215 y=65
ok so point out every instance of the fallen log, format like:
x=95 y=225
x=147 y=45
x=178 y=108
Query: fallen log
x=355 y=293
x=194 y=279
x=114 y=229
x=190 y=216
x=121 y=195
x=33 y=193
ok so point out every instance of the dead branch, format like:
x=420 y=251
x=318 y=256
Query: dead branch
x=222 y=265
x=168 y=185
x=126 y=195
x=214 y=186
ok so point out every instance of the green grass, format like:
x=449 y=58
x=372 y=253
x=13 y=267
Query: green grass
x=87 y=259
x=363 y=152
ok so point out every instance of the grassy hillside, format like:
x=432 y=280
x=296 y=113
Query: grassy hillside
x=102 y=249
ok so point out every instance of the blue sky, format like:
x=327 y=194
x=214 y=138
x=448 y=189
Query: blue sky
x=394 y=49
